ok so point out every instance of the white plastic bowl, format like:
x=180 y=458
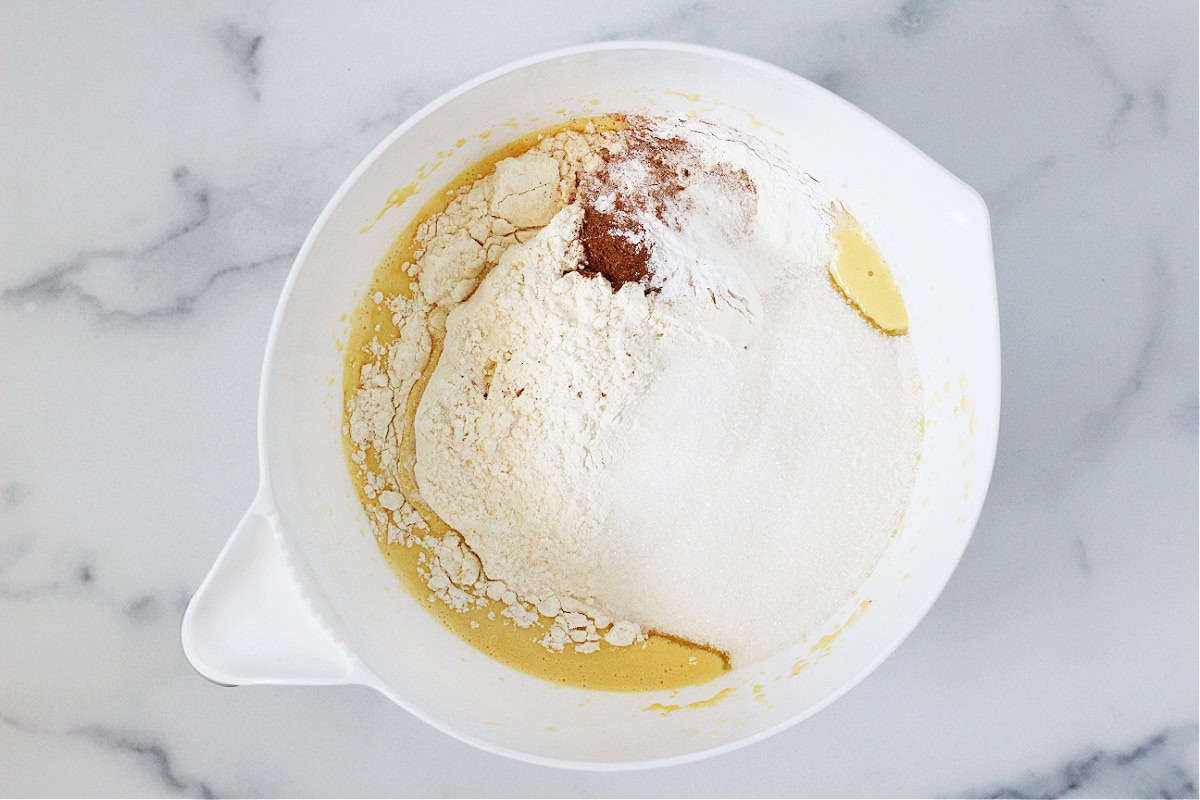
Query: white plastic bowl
x=301 y=595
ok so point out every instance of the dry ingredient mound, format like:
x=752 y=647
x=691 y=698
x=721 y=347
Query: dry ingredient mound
x=651 y=411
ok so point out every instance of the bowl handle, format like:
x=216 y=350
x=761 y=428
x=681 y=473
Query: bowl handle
x=249 y=622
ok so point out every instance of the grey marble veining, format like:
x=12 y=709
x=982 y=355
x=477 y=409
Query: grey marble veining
x=1156 y=767
x=161 y=165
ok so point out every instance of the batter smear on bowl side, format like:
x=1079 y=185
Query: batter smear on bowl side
x=616 y=412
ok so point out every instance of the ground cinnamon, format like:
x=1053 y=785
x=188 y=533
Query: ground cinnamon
x=611 y=253
x=649 y=177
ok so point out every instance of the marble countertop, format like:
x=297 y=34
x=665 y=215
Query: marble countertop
x=160 y=165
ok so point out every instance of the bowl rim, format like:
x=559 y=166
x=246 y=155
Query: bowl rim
x=988 y=441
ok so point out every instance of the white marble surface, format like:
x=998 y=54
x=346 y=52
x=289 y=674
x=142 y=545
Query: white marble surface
x=159 y=166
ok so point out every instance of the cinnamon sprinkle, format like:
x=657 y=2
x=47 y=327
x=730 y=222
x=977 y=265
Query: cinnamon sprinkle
x=650 y=177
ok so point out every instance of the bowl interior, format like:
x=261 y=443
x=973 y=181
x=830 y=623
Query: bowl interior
x=931 y=227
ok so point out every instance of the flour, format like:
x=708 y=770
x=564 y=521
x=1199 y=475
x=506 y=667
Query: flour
x=670 y=422
x=454 y=249
x=376 y=409
x=512 y=434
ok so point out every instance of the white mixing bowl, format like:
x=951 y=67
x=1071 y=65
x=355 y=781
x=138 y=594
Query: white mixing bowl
x=301 y=594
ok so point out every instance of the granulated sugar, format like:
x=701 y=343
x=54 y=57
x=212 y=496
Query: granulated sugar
x=756 y=488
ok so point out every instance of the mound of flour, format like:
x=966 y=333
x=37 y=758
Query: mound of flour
x=719 y=450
